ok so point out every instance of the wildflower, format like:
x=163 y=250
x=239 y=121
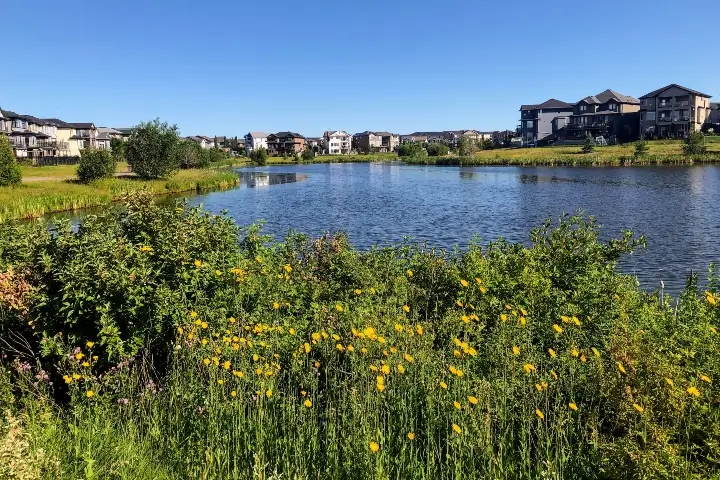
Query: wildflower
x=457 y=428
x=457 y=353
x=363 y=350
x=669 y=381
x=406 y=308
x=218 y=272
x=220 y=382
x=409 y=273
x=180 y=330
x=552 y=352
x=411 y=436
x=693 y=391
x=358 y=291
x=540 y=414
x=458 y=303
x=85 y=364
x=193 y=314
x=443 y=385
x=713 y=329
x=255 y=357
x=557 y=328
x=408 y=358
x=564 y=319
x=89 y=393
x=276 y=305
x=503 y=317
x=198 y=263
x=269 y=393
x=335 y=337
x=576 y=321
x=291 y=331
x=419 y=330
x=381 y=387
x=464 y=283
x=516 y=350
x=79 y=355
x=554 y=375
x=705 y=378
x=339 y=347
x=317 y=364
x=621 y=368
x=583 y=358
x=67 y=379
x=710 y=298
x=226 y=365
x=473 y=400
x=595 y=351
x=575 y=352
x=233 y=393
x=204 y=341
x=90 y=344
x=471 y=351
x=539 y=387
x=204 y=325
x=465 y=319
x=529 y=367
x=146 y=248
x=374 y=447
x=572 y=406
x=350 y=348
x=523 y=321
x=385 y=369
x=307 y=403
x=372 y=291
x=401 y=369
x=639 y=408
x=237 y=373
x=457 y=404
x=288 y=268
x=393 y=350
x=339 y=307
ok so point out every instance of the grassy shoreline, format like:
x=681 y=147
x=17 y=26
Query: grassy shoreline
x=36 y=198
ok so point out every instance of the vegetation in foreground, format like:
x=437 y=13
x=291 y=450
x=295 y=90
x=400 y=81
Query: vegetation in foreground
x=160 y=342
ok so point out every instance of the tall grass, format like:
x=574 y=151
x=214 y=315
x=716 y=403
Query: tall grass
x=180 y=346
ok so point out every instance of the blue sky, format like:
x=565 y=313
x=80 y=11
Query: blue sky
x=229 y=67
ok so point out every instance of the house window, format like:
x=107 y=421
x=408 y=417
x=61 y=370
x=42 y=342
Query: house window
x=583 y=108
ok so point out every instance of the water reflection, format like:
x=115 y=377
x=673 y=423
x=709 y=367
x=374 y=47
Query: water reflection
x=265 y=179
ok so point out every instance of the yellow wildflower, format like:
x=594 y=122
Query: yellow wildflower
x=693 y=391
x=540 y=414
x=575 y=352
x=573 y=406
x=443 y=385
x=269 y=393
x=419 y=330
x=340 y=347
x=529 y=367
x=85 y=364
x=465 y=319
x=406 y=308
x=576 y=321
x=385 y=369
x=89 y=393
x=473 y=400
x=595 y=351
x=457 y=428
x=516 y=350
x=705 y=378
x=503 y=317
x=79 y=355
x=307 y=403
x=218 y=272
x=408 y=358
x=193 y=314
x=557 y=328
x=523 y=321
x=220 y=382
x=350 y=348
x=554 y=375
x=457 y=353
x=621 y=367
x=457 y=404
x=204 y=325
x=198 y=263
x=276 y=305
x=670 y=381
x=233 y=393
x=374 y=447
x=288 y=268
x=639 y=408
x=552 y=352
x=180 y=330
x=206 y=361
x=458 y=303
x=401 y=369
x=339 y=307
x=411 y=436
x=226 y=365
x=464 y=283
x=409 y=273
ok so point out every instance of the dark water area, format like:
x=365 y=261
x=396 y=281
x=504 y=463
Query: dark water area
x=676 y=208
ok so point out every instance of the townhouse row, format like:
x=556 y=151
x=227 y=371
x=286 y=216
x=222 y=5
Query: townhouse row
x=35 y=137
x=669 y=112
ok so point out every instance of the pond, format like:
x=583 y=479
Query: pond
x=380 y=203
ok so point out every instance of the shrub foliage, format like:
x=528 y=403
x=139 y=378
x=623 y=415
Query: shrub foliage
x=10 y=174
x=95 y=164
x=152 y=150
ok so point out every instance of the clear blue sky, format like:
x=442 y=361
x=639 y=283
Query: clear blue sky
x=229 y=67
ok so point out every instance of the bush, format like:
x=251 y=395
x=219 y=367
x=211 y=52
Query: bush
x=192 y=155
x=695 y=144
x=10 y=174
x=117 y=147
x=641 y=148
x=437 y=150
x=259 y=156
x=410 y=149
x=95 y=164
x=153 y=150
x=589 y=145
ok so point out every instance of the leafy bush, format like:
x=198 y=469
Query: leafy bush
x=308 y=155
x=153 y=150
x=192 y=155
x=641 y=148
x=95 y=164
x=10 y=174
x=410 y=149
x=117 y=147
x=589 y=146
x=259 y=156
x=695 y=144
x=437 y=150
x=181 y=346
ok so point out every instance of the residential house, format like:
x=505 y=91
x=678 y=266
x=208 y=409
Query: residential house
x=125 y=133
x=673 y=111
x=254 y=140
x=414 y=138
x=104 y=135
x=84 y=136
x=31 y=136
x=285 y=143
x=376 y=141
x=714 y=117
x=608 y=114
x=337 y=142
x=538 y=123
x=317 y=144
x=205 y=142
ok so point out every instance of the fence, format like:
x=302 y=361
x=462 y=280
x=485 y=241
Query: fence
x=45 y=161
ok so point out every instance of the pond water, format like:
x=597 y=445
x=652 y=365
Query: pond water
x=380 y=203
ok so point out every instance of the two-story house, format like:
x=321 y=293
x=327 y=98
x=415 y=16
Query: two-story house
x=255 y=140
x=608 y=114
x=539 y=123
x=714 y=117
x=376 y=141
x=84 y=136
x=205 y=142
x=673 y=111
x=414 y=138
x=104 y=135
x=337 y=142
x=285 y=143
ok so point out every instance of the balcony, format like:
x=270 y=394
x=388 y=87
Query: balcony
x=665 y=119
x=53 y=144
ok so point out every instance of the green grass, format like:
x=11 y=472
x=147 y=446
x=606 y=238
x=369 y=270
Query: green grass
x=309 y=359
x=34 y=199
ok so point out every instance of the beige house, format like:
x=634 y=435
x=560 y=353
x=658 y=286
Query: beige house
x=337 y=142
x=673 y=111
x=376 y=141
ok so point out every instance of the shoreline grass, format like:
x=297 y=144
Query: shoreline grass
x=37 y=198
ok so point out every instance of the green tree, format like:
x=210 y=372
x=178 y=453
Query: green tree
x=95 y=164
x=437 y=150
x=117 y=147
x=308 y=154
x=192 y=155
x=466 y=147
x=641 y=148
x=695 y=144
x=589 y=145
x=9 y=169
x=410 y=149
x=487 y=144
x=153 y=150
x=259 y=156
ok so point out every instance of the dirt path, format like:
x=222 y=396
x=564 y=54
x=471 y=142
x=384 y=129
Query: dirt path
x=60 y=179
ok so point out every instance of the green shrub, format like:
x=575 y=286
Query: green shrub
x=259 y=156
x=641 y=148
x=589 y=145
x=153 y=150
x=95 y=164
x=10 y=174
x=695 y=144
x=437 y=150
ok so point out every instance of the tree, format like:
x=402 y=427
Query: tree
x=153 y=150
x=410 y=149
x=466 y=147
x=437 y=150
x=589 y=145
x=641 y=148
x=259 y=156
x=695 y=144
x=95 y=164
x=192 y=155
x=10 y=174
x=487 y=144
x=117 y=147
x=308 y=154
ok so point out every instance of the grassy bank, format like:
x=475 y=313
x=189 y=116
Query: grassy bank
x=36 y=198
x=659 y=153
x=165 y=343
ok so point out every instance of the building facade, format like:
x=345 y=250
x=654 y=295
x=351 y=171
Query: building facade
x=255 y=140
x=337 y=142
x=714 y=117
x=376 y=142
x=673 y=111
x=540 y=123
x=285 y=143
x=603 y=115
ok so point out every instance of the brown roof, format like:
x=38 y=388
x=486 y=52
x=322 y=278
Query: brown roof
x=607 y=95
x=551 y=103
x=660 y=90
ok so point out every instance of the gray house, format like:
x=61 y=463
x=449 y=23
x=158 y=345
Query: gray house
x=714 y=117
x=539 y=123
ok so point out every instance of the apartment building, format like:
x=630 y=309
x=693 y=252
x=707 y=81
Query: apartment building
x=376 y=141
x=255 y=140
x=337 y=142
x=285 y=143
x=540 y=123
x=714 y=116
x=608 y=114
x=673 y=111
x=33 y=137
